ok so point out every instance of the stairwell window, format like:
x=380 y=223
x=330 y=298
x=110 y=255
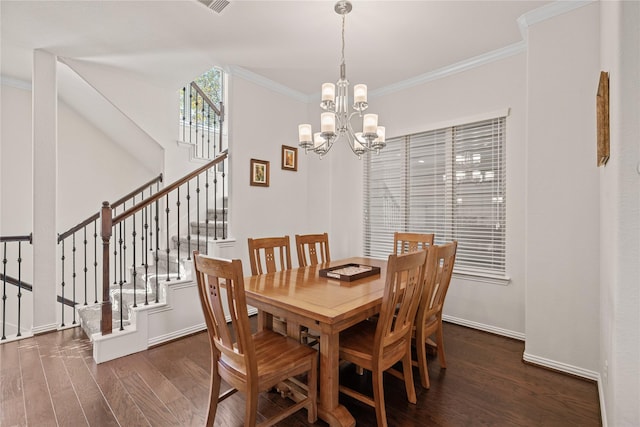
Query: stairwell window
x=202 y=114
x=451 y=182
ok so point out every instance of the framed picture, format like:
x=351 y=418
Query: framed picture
x=259 y=173
x=289 y=158
x=602 y=118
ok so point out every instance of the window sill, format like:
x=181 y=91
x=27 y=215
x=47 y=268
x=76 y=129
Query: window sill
x=484 y=278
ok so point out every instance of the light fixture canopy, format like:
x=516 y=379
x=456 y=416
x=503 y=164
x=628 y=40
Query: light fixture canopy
x=335 y=121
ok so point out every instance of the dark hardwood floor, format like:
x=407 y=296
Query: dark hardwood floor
x=52 y=380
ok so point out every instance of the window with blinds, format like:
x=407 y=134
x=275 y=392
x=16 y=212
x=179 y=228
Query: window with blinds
x=451 y=182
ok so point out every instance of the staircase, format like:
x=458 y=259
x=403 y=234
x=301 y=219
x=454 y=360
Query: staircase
x=145 y=286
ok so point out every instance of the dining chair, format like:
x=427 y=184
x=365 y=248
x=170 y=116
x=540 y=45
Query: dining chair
x=312 y=249
x=409 y=242
x=249 y=363
x=263 y=258
x=268 y=255
x=429 y=317
x=310 y=246
x=378 y=346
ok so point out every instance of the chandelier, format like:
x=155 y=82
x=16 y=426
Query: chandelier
x=335 y=121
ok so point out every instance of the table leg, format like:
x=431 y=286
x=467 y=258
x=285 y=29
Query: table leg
x=329 y=408
x=265 y=320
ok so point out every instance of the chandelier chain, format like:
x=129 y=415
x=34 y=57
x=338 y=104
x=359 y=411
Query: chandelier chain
x=343 y=18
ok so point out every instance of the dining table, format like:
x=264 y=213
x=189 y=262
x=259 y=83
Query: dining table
x=326 y=306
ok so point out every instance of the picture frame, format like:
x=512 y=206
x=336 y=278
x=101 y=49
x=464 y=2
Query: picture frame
x=289 y=158
x=602 y=119
x=259 y=173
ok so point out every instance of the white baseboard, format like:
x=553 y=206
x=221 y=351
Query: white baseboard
x=176 y=334
x=484 y=327
x=560 y=366
x=45 y=328
x=603 y=406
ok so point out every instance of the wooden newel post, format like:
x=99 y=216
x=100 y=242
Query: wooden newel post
x=106 y=323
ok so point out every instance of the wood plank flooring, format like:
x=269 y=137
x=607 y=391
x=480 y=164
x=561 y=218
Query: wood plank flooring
x=52 y=380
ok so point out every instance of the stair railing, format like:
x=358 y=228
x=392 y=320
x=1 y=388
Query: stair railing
x=80 y=292
x=13 y=254
x=154 y=213
x=201 y=121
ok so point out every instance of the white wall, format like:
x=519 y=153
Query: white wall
x=562 y=202
x=486 y=89
x=620 y=217
x=260 y=122
x=89 y=166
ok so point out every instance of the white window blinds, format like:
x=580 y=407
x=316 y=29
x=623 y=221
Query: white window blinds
x=450 y=182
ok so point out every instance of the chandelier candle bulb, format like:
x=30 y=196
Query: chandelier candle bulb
x=328 y=92
x=370 y=124
x=304 y=133
x=328 y=123
x=381 y=134
x=360 y=93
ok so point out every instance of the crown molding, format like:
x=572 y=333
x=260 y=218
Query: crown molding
x=17 y=83
x=548 y=11
x=449 y=70
x=268 y=83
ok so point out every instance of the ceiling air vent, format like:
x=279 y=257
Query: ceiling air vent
x=215 y=5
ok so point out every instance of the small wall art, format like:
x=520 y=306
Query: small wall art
x=259 y=173
x=602 y=118
x=289 y=158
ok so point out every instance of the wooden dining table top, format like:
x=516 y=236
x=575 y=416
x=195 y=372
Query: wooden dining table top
x=303 y=292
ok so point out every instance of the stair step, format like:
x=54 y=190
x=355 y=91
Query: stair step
x=185 y=246
x=213 y=229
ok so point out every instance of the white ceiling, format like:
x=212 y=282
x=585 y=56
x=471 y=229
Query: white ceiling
x=294 y=43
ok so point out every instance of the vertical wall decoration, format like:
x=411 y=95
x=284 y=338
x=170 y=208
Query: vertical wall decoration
x=259 y=173
x=289 y=158
x=602 y=118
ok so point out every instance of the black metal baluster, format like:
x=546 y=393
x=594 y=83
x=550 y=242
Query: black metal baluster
x=196 y=110
x=73 y=276
x=188 y=221
x=198 y=209
x=167 y=210
x=224 y=202
x=4 y=289
x=123 y=236
x=120 y=282
x=146 y=256
x=190 y=112
x=206 y=204
x=115 y=256
x=85 y=269
x=95 y=261
x=184 y=111
x=203 y=128
x=135 y=271
x=209 y=131
x=178 y=225
x=157 y=257
x=215 y=203
x=63 y=284
x=20 y=286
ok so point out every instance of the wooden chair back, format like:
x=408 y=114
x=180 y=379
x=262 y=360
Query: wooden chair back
x=234 y=358
x=429 y=318
x=310 y=246
x=269 y=254
x=235 y=344
x=411 y=242
x=439 y=271
x=402 y=292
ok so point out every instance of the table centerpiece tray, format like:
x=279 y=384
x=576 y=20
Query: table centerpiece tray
x=349 y=272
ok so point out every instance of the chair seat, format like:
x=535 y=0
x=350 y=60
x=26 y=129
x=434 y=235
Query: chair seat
x=356 y=346
x=275 y=354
